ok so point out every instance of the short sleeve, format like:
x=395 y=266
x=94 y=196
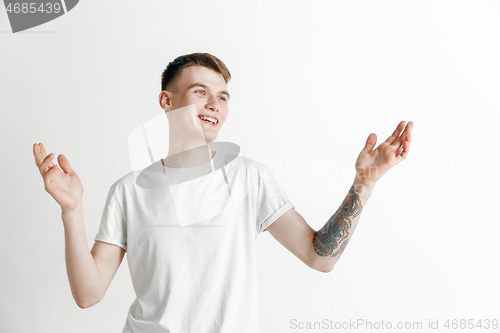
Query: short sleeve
x=272 y=200
x=113 y=227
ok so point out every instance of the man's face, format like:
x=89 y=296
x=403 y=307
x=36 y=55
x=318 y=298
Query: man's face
x=207 y=90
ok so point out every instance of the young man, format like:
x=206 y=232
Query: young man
x=191 y=259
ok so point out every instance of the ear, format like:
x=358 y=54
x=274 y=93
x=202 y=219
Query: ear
x=165 y=99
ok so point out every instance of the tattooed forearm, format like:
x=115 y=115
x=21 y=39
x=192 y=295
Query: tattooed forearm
x=332 y=239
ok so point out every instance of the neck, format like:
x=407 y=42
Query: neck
x=187 y=145
x=177 y=158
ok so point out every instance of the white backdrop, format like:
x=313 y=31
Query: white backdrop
x=311 y=80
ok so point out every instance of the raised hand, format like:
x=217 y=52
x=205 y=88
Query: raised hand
x=374 y=163
x=63 y=185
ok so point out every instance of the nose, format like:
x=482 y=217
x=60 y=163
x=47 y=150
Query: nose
x=212 y=104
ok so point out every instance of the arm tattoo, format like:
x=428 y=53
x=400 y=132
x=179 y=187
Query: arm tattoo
x=336 y=231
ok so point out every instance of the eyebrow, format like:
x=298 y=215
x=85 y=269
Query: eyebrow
x=197 y=84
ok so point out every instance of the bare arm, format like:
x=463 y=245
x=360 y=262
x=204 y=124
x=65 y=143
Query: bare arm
x=89 y=273
x=321 y=249
x=84 y=278
x=330 y=241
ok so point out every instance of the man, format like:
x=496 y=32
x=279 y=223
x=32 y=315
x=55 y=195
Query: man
x=194 y=269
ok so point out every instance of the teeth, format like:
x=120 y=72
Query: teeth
x=212 y=120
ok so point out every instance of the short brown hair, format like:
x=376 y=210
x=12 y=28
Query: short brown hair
x=172 y=71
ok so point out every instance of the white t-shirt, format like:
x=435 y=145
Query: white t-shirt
x=190 y=239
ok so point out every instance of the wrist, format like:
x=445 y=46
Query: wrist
x=77 y=210
x=363 y=187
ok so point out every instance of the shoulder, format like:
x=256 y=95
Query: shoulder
x=124 y=183
x=257 y=171
x=253 y=168
x=149 y=178
x=252 y=164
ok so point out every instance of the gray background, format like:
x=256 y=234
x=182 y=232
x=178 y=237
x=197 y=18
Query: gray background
x=310 y=83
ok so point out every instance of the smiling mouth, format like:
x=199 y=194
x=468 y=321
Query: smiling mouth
x=206 y=120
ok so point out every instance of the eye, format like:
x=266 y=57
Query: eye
x=223 y=98
x=199 y=91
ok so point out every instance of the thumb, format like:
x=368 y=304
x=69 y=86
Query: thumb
x=64 y=164
x=370 y=142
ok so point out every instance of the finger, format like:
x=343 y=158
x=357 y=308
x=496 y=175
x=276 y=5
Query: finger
x=42 y=150
x=35 y=153
x=370 y=143
x=409 y=128
x=64 y=164
x=399 y=141
x=401 y=153
x=396 y=133
x=45 y=166
x=43 y=155
x=406 y=149
x=51 y=170
x=404 y=136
